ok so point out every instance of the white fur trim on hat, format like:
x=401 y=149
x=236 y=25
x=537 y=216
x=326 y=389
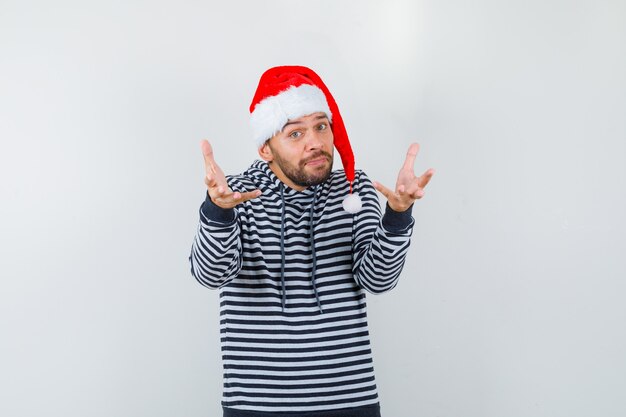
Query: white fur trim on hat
x=272 y=113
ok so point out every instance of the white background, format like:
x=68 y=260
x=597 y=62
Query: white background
x=511 y=301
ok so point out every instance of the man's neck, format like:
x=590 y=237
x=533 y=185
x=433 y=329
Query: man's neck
x=284 y=179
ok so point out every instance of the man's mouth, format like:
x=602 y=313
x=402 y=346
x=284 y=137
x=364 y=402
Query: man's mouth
x=317 y=160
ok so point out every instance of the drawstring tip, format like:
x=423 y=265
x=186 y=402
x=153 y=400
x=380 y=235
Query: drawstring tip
x=319 y=302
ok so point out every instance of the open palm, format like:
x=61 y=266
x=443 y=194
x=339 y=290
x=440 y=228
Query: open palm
x=409 y=187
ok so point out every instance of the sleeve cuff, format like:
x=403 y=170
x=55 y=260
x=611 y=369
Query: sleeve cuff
x=216 y=213
x=397 y=221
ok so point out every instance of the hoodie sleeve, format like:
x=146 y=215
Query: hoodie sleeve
x=216 y=256
x=380 y=244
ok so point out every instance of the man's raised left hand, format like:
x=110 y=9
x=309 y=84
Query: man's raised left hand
x=408 y=187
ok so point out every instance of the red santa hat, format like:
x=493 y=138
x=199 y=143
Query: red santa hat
x=291 y=91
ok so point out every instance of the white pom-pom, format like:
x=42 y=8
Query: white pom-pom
x=352 y=203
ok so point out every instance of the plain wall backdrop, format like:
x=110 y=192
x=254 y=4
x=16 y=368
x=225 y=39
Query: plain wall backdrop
x=511 y=300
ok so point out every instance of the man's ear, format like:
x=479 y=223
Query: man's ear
x=265 y=152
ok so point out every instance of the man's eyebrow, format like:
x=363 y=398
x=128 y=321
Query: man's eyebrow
x=289 y=123
x=321 y=116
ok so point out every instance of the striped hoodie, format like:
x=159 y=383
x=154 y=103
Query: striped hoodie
x=292 y=268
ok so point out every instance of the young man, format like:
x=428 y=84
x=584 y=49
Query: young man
x=293 y=246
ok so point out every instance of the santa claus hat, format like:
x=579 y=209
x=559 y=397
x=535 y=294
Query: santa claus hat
x=291 y=91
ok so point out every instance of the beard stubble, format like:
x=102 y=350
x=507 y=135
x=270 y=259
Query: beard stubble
x=298 y=174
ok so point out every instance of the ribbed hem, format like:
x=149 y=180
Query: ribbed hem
x=364 y=411
x=216 y=213
x=397 y=221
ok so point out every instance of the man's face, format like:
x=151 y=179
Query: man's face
x=301 y=155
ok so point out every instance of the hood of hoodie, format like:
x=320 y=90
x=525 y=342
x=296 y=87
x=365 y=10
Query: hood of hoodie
x=303 y=201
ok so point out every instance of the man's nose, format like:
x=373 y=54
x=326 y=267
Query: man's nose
x=315 y=139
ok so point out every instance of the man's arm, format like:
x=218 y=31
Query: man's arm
x=381 y=245
x=216 y=251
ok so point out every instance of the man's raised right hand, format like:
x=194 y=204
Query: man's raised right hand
x=218 y=189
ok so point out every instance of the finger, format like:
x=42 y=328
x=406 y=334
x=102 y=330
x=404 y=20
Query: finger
x=207 y=152
x=419 y=193
x=249 y=195
x=210 y=181
x=231 y=199
x=410 y=157
x=383 y=190
x=217 y=193
x=426 y=176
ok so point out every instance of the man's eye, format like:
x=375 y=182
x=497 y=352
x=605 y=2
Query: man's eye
x=322 y=126
x=295 y=134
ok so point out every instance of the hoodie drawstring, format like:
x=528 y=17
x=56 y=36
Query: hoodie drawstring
x=314 y=269
x=282 y=249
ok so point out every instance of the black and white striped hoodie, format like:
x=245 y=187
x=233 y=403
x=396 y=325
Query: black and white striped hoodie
x=292 y=268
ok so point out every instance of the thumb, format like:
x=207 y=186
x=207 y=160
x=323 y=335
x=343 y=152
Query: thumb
x=383 y=190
